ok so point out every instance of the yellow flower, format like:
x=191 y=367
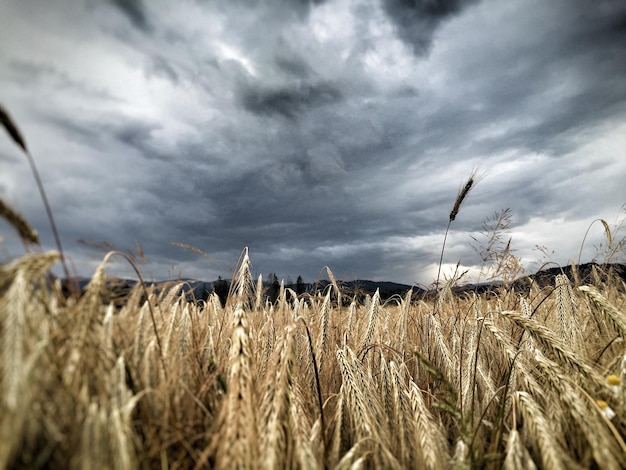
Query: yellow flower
x=614 y=383
x=613 y=380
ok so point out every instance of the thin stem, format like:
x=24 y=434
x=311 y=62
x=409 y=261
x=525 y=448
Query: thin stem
x=318 y=385
x=441 y=257
x=7 y=122
x=53 y=226
x=440 y=263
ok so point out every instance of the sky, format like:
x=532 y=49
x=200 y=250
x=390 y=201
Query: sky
x=314 y=132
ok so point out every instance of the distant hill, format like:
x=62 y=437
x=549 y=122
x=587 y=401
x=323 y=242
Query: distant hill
x=201 y=289
x=588 y=273
x=361 y=287
x=364 y=286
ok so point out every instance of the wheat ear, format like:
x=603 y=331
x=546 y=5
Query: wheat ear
x=21 y=287
x=517 y=456
x=460 y=197
x=16 y=305
x=322 y=340
x=565 y=308
x=373 y=316
x=235 y=445
x=276 y=443
x=307 y=442
x=362 y=401
x=613 y=316
x=549 y=342
x=541 y=431
x=19 y=223
x=430 y=438
x=121 y=406
x=399 y=408
x=404 y=318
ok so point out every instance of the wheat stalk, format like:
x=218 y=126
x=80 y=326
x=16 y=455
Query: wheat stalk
x=276 y=442
x=541 y=431
x=236 y=443
x=460 y=197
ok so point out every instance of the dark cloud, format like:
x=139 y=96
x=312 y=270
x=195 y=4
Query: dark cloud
x=293 y=66
x=161 y=67
x=108 y=128
x=289 y=101
x=135 y=11
x=135 y=134
x=301 y=8
x=417 y=20
x=618 y=25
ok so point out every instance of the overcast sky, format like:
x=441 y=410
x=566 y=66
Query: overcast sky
x=317 y=133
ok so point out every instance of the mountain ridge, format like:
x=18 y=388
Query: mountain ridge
x=198 y=289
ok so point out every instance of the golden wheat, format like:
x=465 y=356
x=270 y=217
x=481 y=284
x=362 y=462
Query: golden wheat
x=306 y=383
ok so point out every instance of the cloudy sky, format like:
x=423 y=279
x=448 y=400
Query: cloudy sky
x=317 y=133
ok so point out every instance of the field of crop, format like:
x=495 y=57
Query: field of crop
x=498 y=380
x=502 y=380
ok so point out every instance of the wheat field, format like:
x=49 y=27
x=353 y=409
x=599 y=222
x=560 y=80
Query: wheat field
x=505 y=380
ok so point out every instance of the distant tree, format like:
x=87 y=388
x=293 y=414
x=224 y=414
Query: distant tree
x=221 y=288
x=300 y=287
x=274 y=287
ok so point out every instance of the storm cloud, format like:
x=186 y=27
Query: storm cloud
x=417 y=21
x=135 y=11
x=317 y=133
x=289 y=101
